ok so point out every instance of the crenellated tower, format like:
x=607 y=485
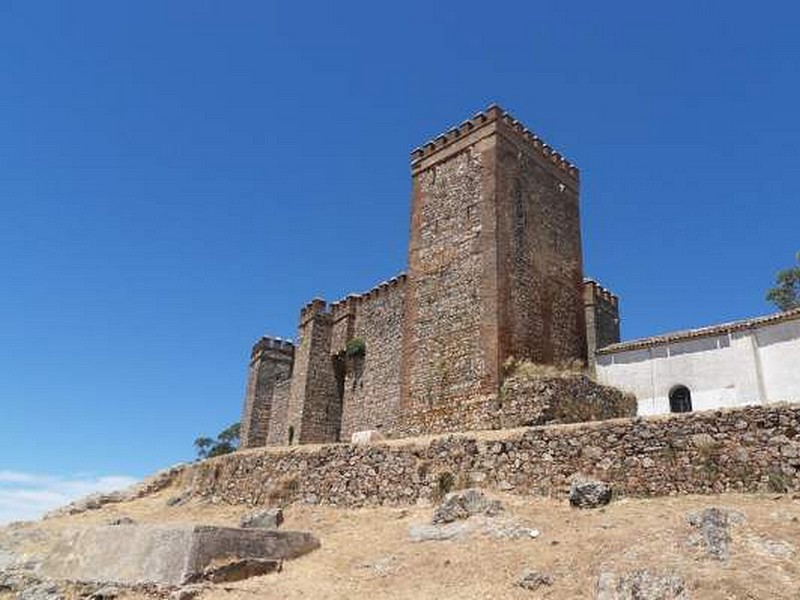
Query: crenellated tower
x=495 y=264
x=271 y=362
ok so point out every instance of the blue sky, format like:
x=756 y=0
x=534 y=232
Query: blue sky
x=177 y=178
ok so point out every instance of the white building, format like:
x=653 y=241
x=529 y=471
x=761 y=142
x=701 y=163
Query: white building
x=746 y=362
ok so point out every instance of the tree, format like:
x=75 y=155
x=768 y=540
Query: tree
x=227 y=441
x=786 y=293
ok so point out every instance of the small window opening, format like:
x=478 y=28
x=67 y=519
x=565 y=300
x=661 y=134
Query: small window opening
x=680 y=399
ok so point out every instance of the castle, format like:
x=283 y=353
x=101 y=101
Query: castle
x=494 y=271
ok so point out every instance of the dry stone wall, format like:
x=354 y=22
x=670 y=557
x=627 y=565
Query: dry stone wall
x=523 y=402
x=748 y=449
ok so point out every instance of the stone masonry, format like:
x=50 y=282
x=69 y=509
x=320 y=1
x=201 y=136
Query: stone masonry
x=735 y=450
x=494 y=271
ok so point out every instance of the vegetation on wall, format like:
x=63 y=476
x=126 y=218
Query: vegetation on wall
x=786 y=293
x=356 y=347
x=227 y=441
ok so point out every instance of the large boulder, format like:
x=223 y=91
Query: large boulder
x=165 y=554
x=588 y=493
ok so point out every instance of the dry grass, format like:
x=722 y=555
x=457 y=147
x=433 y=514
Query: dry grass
x=366 y=552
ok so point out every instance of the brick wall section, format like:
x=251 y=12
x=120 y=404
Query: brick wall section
x=602 y=318
x=372 y=383
x=740 y=450
x=539 y=254
x=270 y=364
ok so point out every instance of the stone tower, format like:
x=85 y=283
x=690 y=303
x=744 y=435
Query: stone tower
x=602 y=318
x=495 y=264
x=270 y=364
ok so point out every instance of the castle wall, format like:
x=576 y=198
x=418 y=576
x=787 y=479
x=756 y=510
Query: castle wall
x=278 y=431
x=723 y=366
x=754 y=449
x=270 y=364
x=539 y=253
x=449 y=351
x=372 y=383
x=314 y=411
x=602 y=318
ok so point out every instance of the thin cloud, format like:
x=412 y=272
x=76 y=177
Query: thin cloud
x=27 y=496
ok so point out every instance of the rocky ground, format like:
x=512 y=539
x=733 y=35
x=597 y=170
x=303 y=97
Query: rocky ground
x=472 y=546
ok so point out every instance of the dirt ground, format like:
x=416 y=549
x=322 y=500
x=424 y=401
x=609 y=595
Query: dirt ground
x=367 y=553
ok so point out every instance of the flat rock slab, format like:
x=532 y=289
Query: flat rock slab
x=168 y=554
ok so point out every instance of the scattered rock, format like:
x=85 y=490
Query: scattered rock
x=533 y=580
x=383 y=566
x=46 y=590
x=640 y=585
x=148 y=486
x=180 y=499
x=368 y=436
x=271 y=518
x=108 y=592
x=188 y=592
x=506 y=529
x=122 y=521
x=438 y=533
x=589 y=493
x=237 y=570
x=463 y=504
x=774 y=548
x=714 y=525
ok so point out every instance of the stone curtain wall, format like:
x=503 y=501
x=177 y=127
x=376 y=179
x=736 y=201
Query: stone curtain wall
x=539 y=253
x=749 y=449
x=372 y=382
x=443 y=353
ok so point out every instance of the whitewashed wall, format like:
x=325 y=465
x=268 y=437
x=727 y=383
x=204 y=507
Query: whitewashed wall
x=752 y=366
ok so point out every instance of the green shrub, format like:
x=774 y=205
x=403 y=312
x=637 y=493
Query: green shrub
x=355 y=348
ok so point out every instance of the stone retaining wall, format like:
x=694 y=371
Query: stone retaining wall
x=747 y=449
x=523 y=402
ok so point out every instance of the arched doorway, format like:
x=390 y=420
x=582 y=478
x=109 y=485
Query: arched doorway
x=680 y=399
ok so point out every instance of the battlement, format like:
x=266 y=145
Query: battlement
x=272 y=343
x=593 y=292
x=349 y=305
x=493 y=114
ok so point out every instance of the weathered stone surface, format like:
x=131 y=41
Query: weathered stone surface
x=641 y=585
x=366 y=437
x=589 y=494
x=533 y=580
x=438 y=533
x=167 y=554
x=463 y=504
x=237 y=570
x=714 y=526
x=643 y=457
x=271 y=518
